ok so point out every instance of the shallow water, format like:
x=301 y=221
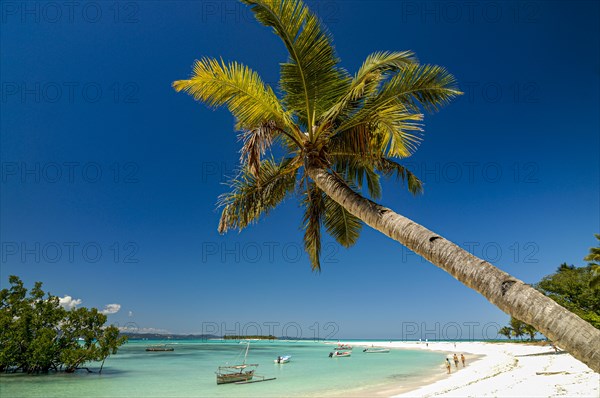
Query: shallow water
x=189 y=371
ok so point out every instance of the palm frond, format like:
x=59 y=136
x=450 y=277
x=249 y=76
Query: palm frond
x=356 y=170
x=426 y=86
x=374 y=70
x=397 y=133
x=390 y=168
x=251 y=101
x=314 y=210
x=340 y=224
x=252 y=196
x=393 y=129
x=594 y=251
x=310 y=80
x=256 y=142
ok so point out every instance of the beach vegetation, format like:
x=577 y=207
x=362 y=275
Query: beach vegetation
x=38 y=335
x=517 y=328
x=572 y=287
x=594 y=258
x=505 y=331
x=329 y=138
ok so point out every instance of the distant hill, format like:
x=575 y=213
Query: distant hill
x=169 y=336
x=159 y=336
x=233 y=337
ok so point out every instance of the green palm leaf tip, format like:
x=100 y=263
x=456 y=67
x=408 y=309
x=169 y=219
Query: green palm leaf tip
x=310 y=80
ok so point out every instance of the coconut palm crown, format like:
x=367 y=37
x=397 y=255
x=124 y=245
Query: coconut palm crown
x=340 y=134
x=356 y=127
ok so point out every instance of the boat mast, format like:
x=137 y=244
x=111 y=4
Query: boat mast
x=245 y=356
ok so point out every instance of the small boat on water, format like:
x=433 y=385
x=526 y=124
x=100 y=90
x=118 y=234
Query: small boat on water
x=159 y=348
x=376 y=350
x=236 y=373
x=340 y=354
x=283 y=359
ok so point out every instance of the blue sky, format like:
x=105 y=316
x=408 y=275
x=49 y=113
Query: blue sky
x=110 y=178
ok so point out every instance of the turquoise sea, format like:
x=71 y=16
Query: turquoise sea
x=189 y=371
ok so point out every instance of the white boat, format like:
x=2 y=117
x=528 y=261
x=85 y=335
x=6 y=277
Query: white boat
x=376 y=350
x=283 y=359
x=340 y=354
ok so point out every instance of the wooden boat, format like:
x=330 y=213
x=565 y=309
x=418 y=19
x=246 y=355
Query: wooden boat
x=283 y=359
x=159 y=348
x=376 y=350
x=236 y=373
x=340 y=354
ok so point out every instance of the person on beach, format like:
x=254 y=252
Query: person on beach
x=448 y=366
x=462 y=358
x=455 y=361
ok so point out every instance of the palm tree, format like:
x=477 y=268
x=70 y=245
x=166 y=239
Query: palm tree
x=595 y=267
x=340 y=134
x=530 y=330
x=517 y=327
x=505 y=331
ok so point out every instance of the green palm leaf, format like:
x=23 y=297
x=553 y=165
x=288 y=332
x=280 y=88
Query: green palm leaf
x=340 y=224
x=427 y=86
x=250 y=100
x=392 y=129
x=310 y=80
x=390 y=168
x=374 y=70
x=252 y=196
x=314 y=210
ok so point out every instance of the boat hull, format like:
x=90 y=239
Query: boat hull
x=376 y=351
x=226 y=378
x=341 y=354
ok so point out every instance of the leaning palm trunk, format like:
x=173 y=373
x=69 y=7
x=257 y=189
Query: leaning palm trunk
x=509 y=294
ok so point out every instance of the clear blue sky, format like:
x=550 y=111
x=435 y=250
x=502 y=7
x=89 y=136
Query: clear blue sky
x=110 y=178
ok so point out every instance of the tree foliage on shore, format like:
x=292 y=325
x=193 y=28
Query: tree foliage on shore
x=594 y=258
x=572 y=287
x=38 y=335
x=575 y=288
x=517 y=328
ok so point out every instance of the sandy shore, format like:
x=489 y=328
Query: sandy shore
x=501 y=370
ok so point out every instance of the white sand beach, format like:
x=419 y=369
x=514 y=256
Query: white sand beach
x=501 y=370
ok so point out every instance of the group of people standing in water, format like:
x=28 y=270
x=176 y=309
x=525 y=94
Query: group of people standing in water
x=455 y=358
